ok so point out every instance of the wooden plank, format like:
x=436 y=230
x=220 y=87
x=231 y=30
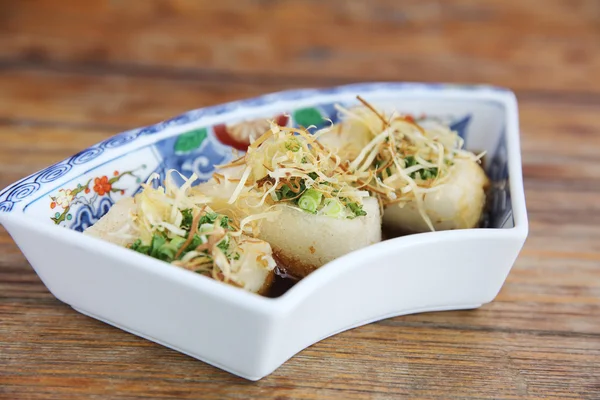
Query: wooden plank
x=90 y=359
x=28 y=148
x=114 y=101
x=545 y=45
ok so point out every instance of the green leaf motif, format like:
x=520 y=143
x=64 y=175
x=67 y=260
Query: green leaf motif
x=191 y=140
x=308 y=116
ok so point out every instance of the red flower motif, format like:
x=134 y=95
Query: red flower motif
x=87 y=190
x=116 y=173
x=53 y=204
x=238 y=135
x=102 y=186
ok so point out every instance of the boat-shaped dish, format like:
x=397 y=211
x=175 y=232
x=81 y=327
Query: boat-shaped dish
x=241 y=332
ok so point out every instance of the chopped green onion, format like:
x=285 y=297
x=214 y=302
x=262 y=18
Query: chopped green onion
x=166 y=252
x=293 y=144
x=409 y=161
x=206 y=228
x=161 y=248
x=424 y=174
x=429 y=173
x=286 y=193
x=139 y=247
x=224 y=244
x=225 y=222
x=188 y=218
x=177 y=241
x=208 y=218
x=310 y=200
x=135 y=245
x=356 y=209
x=157 y=242
x=196 y=241
x=332 y=208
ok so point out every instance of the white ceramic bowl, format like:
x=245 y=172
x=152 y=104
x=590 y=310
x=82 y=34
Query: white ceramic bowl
x=241 y=332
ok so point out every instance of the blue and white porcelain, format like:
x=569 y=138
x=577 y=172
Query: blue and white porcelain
x=241 y=332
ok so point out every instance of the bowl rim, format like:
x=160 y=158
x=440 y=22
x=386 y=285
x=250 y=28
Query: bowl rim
x=283 y=99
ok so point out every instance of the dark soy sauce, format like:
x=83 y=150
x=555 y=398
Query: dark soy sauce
x=281 y=283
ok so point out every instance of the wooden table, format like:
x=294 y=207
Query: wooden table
x=75 y=72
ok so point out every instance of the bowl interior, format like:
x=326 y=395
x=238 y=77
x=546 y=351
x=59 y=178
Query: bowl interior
x=78 y=191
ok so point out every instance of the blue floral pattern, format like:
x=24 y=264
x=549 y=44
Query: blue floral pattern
x=199 y=160
x=500 y=213
x=88 y=214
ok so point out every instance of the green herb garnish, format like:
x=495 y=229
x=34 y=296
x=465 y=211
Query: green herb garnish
x=225 y=222
x=284 y=193
x=211 y=217
x=208 y=218
x=187 y=220
x=139 y=247
x=424 y=174
x=224 y=244
x=160 y=247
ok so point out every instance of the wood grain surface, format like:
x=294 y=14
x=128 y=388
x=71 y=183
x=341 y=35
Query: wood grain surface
x=75 y=72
